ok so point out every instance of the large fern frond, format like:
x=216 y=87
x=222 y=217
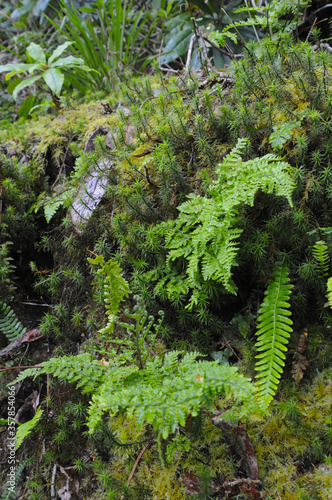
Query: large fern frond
x=329 y=291
x=273 y=334
x=9 y=324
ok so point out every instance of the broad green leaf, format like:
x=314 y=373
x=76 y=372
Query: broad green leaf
x=177 y=46
x=58 y=51
x=21 y=11
x=36 y=52
x=17 y=67
x=26 y=106
x=67 y=62
x=34 y=67
x=11 y=85
x=54 y=79
x=24 y=84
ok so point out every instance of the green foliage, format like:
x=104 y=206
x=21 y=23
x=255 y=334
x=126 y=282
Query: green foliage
x=167 y=390
x=106 y=35
x=273 y=334
x=142 y=332
x=9 y=324
x=162 y=394
x=81 y=369
x=204 y=235
x=49 y=70
x=322 y=258
x=217 y=16
x=115 y=288
x=281 y=134
x=25 y=429
x=51 y=204
x=329 y=291
x=18 y=472
x=6 y=271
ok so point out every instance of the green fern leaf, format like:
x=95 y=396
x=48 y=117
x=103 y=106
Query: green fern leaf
x=273 y=335
x=115 y=288
x=329 y=291
x=9 y=324
x=82 y=369
x=322 y=258
x=204 y=238
x=25 y=429
x=281 y=134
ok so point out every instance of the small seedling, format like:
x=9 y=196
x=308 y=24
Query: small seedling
x=48 y=70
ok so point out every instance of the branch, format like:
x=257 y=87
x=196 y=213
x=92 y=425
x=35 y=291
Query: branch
x=19 y=368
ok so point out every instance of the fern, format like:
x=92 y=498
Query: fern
x=162 y=394
x=329 y=291
x=204 y=235
x=115 y=288
x=53 y=203
x=273 y=334
x=11 y=491
x=321 y=256
x=165 y=392
x=82 y=369
x=9 y=324
x=281 y=134
x=25 y=429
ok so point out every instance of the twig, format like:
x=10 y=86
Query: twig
x=190 y=50
x=240 y=481
x=19 y=368
x=35 y=304
x=137 y=462
x=231 y=55
x=53 y=481
x=147 y=99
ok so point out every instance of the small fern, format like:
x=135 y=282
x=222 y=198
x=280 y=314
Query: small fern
x=115 y=288
x=273 y=334
x=51 y=204
x=166 y=391
x=322 y=258
x=9 y=324
x=204 y=235
x=11 y=491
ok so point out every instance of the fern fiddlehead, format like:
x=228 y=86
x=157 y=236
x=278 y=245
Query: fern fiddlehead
x=273 y=334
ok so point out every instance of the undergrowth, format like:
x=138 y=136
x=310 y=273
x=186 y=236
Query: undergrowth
x=214 y=191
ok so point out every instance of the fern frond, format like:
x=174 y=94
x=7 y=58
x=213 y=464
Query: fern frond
x=25 y=429
x=116 y=288
x=164 y=394
x=82 y=369
x=329 y=291
x=9 y=324
x=273 y=335
x=204 y=237
x=321 y=256
x=11 y=491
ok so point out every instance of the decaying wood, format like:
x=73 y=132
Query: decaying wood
x=240 y=443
